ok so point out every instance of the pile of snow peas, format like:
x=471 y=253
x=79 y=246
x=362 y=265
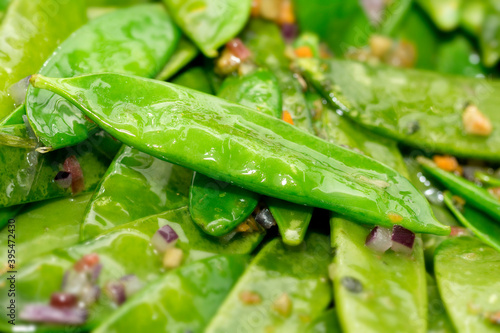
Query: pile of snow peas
x=249 y=166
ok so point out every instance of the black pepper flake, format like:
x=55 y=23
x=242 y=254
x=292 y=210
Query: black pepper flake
x=413 y=127
x=352 y=284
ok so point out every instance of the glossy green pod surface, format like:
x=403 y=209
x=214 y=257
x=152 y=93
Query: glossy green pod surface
x=327 y=322
x=265 y=42
x=123 y=250
x=45 y=226
x=210 y=24
x=136 y=185
x=292 y=219
x=29 y=33
x=183 y=54
x=181 y=301
x=444 y=13
x=481 y=225
x=419 y=108
x=194 y=78
x=28 y=176
x=392 y=285
x=437 y=318
x=474 y=195
x=230 y=142
x=136 y=40
x=16 y=136
x=467 y=276
x=8 y=213
x=300 y=273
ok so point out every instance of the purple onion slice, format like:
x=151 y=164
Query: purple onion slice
x=63 y=300
x=379 y=239
x=63 y=179
x=116 y=291
x=164 y=238
x=402 y=239
x=42 y=313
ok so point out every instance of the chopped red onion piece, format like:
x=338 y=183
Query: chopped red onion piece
x=374 y=9
x=164 y=238
x=47 y=314
x=116 y=291
x=18 y=90
x=289 y=31
x=96 y=271
x=88 y=261
x=63 y=300
x=379 y=239
x=265 y=218
x=238 y=49
x=132 y=284
x=72 y=166
x=402 y=239
x=63 y=179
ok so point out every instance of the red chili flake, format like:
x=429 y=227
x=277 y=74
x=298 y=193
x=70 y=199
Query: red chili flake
x=87 y=261
x=458 y=231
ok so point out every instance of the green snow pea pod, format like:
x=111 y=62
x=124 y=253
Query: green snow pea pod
x=219 y=207
x=29 y=33
x=481 y=225
x=444 y=13
x=472 y=15
x=474 y=195
x=292 y=219
x=456 y=55
x=123 y=250
x=266 y=43
x=183 y=55
x=136 y=40
x=210 y=24
x=289 y=288
x=45 y=226
x=8 y=213
x=488 y=38
x=419 y=108
x=487 y=179
x=181 y=301
x=16 y=136
x=397 y=294
x=467 y=276
x=437 y=318
x=136 y=185
x=327 y=322
x=15 y=118
x=28 y=176
x=194 y=78
x=115 y=3
x=184 y=126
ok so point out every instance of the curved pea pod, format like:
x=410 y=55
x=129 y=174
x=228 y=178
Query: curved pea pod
x=28 y=176
x=487 y=179
x=16 y=136
x=467 y=276
x=472 y=15
x=292 y=219
x=488 y=38
x=474 y=195
x=115 y=3
x=437 y=318
x=182 y=301
x=391 y=284
x=420 y=108
x=8 y=213
x=29 y=33
x=136 y=40
x=327 y=322
x=238 y=139
x=45 y=226
x=268 y=50
x=183 y=55
x=194 y=78
x=219 y=207
x=123 y=250
x=210 y=24
x=284 y=287
x=482 y=226
x=456 y=55
x=136 y=185
x=15 y=117
x=444 y=13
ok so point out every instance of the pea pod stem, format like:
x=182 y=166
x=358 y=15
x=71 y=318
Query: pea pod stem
x=252 y=150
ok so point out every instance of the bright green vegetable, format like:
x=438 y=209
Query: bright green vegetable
x=182 y=301
x=327 y=322
x=438 y=320
x=466 y=274
x=487 y=179
x=45 y=226
x=292 y=219
x=183 y=55
x=210 y=24
x=28 y=35
x=392 y=285
x=474 y=195
x=290 y=284
x=8 y=213
x=456 y=55
x=113 y=48
x=482 y=226
x=15 y=117
x=488 y=39
x=16 y=136
x=420 y=108
x=192 y=125
x=194 y=78
x=445 y=13
x=135 y=186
